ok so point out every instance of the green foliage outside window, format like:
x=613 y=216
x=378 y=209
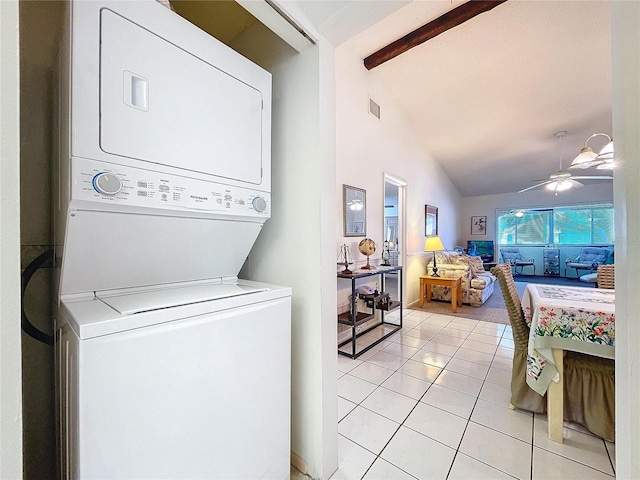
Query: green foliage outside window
x=583 y=225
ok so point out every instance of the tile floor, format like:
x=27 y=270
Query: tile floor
x=431 y=402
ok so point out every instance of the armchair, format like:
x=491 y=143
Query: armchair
x=513 y=257
x=590 y=258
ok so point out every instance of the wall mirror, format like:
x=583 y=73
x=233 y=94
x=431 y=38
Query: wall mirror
x=355 y=211
x=430 y=220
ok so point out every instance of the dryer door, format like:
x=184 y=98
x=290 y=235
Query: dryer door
x=161 y=104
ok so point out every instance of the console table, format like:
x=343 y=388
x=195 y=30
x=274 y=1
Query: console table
x=378 y=301
x=426 y=281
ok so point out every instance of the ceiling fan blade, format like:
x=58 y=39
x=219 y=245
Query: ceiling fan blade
x=594 y=177
x=535 y=186
x=574 y=183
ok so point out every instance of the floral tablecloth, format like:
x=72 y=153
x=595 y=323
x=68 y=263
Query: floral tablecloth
x=568 y=318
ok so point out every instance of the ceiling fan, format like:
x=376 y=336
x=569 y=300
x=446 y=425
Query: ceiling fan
x=562 y=179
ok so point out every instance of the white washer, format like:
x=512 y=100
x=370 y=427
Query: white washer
x=178 y=382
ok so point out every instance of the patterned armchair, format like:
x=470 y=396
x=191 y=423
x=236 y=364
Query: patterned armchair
x=590 y=258
x=477 y=284
x=513 y=257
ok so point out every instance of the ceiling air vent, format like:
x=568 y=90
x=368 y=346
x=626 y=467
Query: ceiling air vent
x=374 y=108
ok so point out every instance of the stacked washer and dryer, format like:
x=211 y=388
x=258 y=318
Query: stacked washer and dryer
x=167 y=364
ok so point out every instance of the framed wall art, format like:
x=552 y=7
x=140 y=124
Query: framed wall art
x=478 y=225
x=430 y=221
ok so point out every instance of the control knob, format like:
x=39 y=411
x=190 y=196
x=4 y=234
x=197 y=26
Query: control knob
x=107 y=183
x=259 y=204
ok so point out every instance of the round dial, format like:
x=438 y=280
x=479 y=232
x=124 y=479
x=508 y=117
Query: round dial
x=259 y=204
x=107 y=183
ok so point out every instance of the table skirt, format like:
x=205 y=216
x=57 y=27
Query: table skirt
x=589 y=390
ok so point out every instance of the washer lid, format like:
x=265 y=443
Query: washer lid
x=138 y=302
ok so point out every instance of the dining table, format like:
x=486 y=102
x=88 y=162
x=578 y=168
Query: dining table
x=579 y=319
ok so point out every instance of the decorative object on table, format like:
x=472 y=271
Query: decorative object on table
x=479 y=225
x=367 y=247
x=355 y=211
x=430 y=220
x=434 y=244
x=564 y=180
x=386 y=253
x=366 y=290
x=344 y=258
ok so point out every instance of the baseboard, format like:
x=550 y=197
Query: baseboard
x=299 y=463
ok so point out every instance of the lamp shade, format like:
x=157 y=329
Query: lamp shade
x=433 y=244
x=607 y=151
x=588 y=158
x=585 y=159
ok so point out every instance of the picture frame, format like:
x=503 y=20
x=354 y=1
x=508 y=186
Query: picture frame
x=430 y=220
x=355 y=211
x=479 y=225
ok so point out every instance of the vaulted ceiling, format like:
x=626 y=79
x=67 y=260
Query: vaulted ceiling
x=487 y=96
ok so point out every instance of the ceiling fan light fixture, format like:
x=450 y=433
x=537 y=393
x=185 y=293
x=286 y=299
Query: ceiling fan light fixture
x=559 y=186
x=564 y=179
x=585 y=159
x=607 y=166
x=606 y=153
x=356 y=205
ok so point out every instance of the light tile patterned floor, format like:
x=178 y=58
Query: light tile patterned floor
x=432 y=402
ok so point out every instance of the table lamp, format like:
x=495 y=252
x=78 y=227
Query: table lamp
x=433 y=244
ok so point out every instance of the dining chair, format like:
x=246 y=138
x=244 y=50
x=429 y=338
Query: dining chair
x=589 y=381
x=605 y=276
x=522 y=396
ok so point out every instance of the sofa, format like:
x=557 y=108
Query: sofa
x=477 y=284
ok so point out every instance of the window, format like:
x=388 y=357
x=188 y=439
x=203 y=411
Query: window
x=581 y=225
x=532 y=228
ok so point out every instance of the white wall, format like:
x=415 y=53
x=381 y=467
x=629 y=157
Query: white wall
x=626 y=124
x=296 y=247
x=10 y=355
x=368 y=147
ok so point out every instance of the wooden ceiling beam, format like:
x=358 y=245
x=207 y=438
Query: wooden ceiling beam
x=451 y=19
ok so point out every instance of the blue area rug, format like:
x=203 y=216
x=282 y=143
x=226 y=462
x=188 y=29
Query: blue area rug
x=573 y=282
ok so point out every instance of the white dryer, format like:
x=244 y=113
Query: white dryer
x=168 y=365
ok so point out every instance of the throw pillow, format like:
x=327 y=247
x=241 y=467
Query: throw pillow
x=447 y=256
x=476 y=264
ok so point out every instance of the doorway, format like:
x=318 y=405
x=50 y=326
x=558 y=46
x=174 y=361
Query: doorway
x=394 y=227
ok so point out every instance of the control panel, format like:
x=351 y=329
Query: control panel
x=104 y=182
